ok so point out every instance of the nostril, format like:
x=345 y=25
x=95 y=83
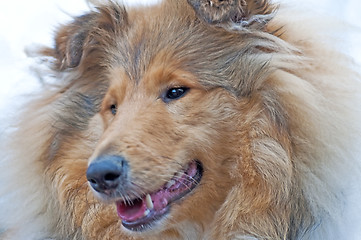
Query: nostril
x=92 y=181
x=111 y=176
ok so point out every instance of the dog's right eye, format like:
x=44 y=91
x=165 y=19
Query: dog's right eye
x=113 y=109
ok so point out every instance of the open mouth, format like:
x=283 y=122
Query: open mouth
x=142 y=213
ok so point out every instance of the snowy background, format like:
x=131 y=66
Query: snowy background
x=24 y=23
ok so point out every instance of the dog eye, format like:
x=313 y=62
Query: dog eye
x=175 y=93
x=113 y=109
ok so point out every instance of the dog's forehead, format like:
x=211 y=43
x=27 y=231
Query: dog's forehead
x=175 y=39
x=159 y=46
x=152 y=42
x=161 y=73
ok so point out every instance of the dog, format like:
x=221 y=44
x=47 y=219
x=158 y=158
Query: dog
x=196 y=119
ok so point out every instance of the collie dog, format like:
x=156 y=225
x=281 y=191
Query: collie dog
x=189 y=119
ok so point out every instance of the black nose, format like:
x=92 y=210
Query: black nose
x=107 y=172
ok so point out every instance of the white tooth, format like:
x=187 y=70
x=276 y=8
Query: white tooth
x=146 y=212
x=148 y=202
x=170 y=183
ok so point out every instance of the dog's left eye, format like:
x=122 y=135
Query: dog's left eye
x=175 y=93
x=113 y=109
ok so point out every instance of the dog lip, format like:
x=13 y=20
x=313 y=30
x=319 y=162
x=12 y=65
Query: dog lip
x=141 y=214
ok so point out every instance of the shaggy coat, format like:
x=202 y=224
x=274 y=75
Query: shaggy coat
x=265 y=106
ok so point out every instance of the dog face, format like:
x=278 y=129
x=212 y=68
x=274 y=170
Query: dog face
x=159 y=143
x=177 y=112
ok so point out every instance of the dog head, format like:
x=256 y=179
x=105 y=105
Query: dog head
x=181 y=121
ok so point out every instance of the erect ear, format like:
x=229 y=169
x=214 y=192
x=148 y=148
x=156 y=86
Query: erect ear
x=85 y=33
x=245 y=13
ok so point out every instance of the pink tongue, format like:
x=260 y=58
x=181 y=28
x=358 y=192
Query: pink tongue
x=131 y=213
x=138 y=209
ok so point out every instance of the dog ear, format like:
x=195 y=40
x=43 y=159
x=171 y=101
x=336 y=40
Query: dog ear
x=85 y=33
x=70 y=39
x=242 y=13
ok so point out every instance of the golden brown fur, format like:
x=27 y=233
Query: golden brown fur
x=271 y=114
